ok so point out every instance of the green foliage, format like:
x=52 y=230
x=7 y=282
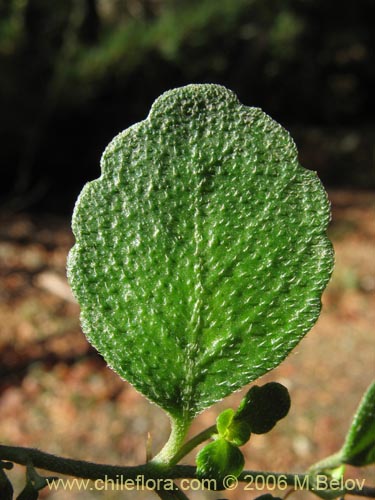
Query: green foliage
x=96 y=42
x=127 y=44
x=258 y=412
x=235 y=431
x=11 y=25
x=288 y=27
x=358 y=449
x=359 y=446
x=86 y=60
x=218 y=460
x=201 y=252
x=263 y=406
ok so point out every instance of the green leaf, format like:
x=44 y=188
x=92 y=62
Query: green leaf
x=224 y=421
x=218 y=460
x=263 y=406
x=359 y=446
x=201 y=252
x=235 y=431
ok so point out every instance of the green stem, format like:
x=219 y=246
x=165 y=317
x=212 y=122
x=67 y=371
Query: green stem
x=330 y=462
x=71 y=467
x=89 y=470
x=192 y=443
x=179 y=428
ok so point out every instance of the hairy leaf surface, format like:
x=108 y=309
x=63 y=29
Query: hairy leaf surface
x=201 y=252
x=219 y=459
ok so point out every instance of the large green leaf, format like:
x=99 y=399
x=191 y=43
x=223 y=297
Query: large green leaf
x=201 y=252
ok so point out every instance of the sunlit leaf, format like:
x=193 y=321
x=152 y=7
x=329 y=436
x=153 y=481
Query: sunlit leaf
x=235 y=431
x=201 y=251
x=219 y=459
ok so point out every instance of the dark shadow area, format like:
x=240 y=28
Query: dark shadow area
x=74 y=74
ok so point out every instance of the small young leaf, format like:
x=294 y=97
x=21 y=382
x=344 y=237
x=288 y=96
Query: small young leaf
x=239 y=433
x=263 y=406
x=359 y=446
x=201 y=251
x=224 y=421
x=235 y=431
x=218 y=460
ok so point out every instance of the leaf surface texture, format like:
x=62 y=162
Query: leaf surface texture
x=201 y=252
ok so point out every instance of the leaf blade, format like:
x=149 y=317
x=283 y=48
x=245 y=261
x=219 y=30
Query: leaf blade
x=218 y=460
x=201 y=245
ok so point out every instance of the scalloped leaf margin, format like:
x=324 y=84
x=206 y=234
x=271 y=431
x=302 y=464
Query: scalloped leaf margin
x=201 y=252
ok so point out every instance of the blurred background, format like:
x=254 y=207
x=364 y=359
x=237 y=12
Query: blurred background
x=75 y=73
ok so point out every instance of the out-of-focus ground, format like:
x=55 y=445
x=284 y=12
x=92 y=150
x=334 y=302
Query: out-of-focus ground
x=57 y=394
